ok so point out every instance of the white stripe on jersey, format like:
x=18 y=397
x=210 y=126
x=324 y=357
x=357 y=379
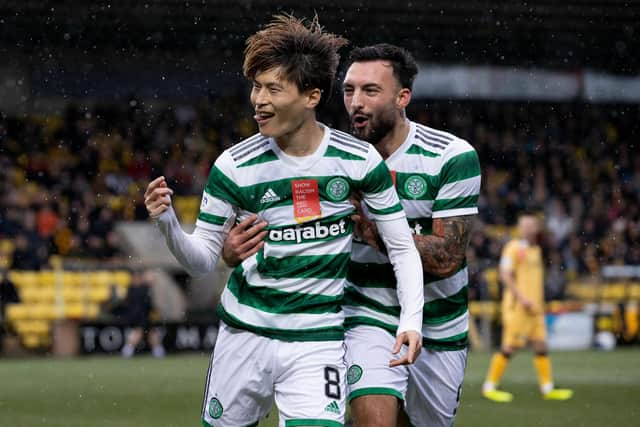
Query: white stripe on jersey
x=448 y=329
x=462 y=188
x=255 y=317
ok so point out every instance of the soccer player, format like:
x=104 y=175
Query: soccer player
x=281 y=333
x=437 y=176
x=522 y=273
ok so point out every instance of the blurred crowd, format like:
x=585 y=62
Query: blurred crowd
x=65 y=180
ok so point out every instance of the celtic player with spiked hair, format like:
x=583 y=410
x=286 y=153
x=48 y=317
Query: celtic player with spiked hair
x=437 y=176
x=282 y=329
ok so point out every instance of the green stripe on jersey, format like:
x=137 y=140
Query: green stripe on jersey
x=462 y=166
x=377 y=180
x=442 y=310
x=371 y=275
x=212 y=219
x=353 y=321
x=341 y=154
x=280 y=302
x=456 y=203
x=416 y=149
x=355 y=298
x=267 y=156
x=220 y=186
x=456 y=342
x=330 y=333
x=386 y=211
x=304 y=266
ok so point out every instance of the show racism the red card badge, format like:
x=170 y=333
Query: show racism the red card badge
x=306 y=200
x=393 y=177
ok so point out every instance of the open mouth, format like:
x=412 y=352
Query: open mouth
x=360 y=120
x=263 y=117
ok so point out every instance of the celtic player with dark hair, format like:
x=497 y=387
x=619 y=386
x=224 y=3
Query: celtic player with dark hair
x=282 y=322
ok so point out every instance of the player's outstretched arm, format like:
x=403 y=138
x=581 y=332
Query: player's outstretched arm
x=443 y=252
x=402 y=253
x=197 y=252
x=244 y=240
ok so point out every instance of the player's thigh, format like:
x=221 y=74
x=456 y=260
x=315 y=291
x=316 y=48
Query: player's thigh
x=538 y=329
x=435 y=384
x=375 y=410
x=369 y=351
x=239 y=384
x=515 y=329
x=310 y=384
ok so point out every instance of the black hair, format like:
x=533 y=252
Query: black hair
x=404 y=65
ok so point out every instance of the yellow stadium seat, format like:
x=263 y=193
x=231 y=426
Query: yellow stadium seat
x=36 y=327
x=81 y=311
x=100 y=278
x=98 y=295
x=31 y=341
x=24 y=278
x=17 y=312
x=36 y=294
x=47 y=278
x=43 y=312
x=71 y=278
x=122 y=278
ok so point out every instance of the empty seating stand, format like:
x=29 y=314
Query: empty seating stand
x=48 y=295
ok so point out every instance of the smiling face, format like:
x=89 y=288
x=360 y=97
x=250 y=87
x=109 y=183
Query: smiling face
x=373 y=98
x=280 y=107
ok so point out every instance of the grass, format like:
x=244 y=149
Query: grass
x=113 y=392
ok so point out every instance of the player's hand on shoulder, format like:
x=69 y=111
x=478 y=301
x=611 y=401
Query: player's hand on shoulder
x=244 y=240
x=157 y=198
x=413 y=341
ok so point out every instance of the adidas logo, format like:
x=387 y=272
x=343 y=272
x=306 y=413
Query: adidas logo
x=269 y=196
x=332 y=407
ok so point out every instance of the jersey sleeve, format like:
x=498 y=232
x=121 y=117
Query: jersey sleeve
x=459 y=185
x=378 y=191
x=221 y=196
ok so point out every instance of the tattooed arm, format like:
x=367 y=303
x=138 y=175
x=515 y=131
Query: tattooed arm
x=443 y=251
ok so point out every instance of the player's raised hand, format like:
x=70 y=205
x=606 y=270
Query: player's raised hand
x=244 y=240
x=157 y=198
x=413 y=340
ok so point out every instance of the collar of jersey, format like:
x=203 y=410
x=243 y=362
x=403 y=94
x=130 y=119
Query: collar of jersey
x=303 y=162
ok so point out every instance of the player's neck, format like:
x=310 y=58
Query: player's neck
x=303 y=140
x=395 y=138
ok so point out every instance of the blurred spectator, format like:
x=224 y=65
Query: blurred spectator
x=8 y=295
x=138 y=307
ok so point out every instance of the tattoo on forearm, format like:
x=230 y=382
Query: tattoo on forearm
x=444 y=250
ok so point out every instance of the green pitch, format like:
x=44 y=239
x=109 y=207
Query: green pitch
x=142 y=392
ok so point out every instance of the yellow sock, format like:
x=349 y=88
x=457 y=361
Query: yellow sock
x=543 y=368
x=496 y=368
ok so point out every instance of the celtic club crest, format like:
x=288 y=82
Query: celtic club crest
x=415 y=186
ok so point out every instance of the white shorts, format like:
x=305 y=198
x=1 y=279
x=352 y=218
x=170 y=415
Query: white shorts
x=435 y=385
x=248 y=372
x=430 y=388
x=368 y=356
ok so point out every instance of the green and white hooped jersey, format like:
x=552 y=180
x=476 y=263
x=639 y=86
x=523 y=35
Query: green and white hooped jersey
x=436 y=175
x=293 y=288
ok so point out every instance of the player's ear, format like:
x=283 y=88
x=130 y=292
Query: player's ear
x=404 y=98
x=313 y=97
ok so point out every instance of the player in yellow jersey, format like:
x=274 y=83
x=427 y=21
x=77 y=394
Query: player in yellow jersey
x=522 y=273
